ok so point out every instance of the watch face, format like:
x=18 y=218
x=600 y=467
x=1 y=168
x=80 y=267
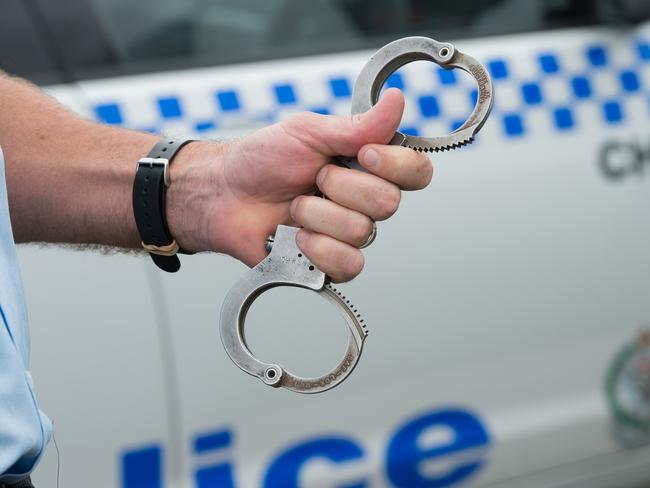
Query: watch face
x=628 y=390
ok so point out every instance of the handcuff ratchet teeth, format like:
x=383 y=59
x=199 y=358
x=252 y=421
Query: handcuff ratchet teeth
x=286 y=266
x=393 y=56
x=398 y=53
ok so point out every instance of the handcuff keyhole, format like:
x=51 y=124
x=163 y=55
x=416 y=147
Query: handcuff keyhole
x=311 y=268
x=299 y=255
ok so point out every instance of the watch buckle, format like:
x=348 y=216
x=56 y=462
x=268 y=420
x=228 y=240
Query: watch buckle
x=166 y=250
x=158 y=162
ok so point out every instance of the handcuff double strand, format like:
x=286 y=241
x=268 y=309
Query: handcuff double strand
x=287 y=266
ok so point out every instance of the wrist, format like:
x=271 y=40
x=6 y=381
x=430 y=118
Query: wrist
x=195 y=185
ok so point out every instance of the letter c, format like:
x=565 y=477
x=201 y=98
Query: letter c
x=284 y=470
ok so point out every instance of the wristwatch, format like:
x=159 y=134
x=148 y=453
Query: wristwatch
x=149 y=198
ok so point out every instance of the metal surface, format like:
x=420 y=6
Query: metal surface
x=403 y=51
x=398 y=53
x=286 y=266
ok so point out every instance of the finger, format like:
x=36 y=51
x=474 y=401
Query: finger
x=408 y=169
x=334 y=135
x=326 y=217
x=365 y=193
x=338 y=260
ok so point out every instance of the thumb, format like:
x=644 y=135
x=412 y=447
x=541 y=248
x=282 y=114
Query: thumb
x=378 y=125
x=335 y=135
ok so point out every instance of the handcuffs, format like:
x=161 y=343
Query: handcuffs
x=287 y=266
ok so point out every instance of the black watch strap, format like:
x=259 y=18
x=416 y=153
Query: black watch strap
x=149 y=198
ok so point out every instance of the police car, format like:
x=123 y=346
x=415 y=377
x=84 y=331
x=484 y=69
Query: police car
x=507 y=304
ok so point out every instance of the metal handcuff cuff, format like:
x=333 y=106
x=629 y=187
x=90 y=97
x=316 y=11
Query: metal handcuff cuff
x=287 y=266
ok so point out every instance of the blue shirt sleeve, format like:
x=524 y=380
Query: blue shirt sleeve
x=24 y=429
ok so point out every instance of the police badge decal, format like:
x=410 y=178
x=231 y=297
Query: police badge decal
x=627 y=387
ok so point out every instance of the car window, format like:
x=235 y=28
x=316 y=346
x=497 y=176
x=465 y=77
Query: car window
x=173 y=34
x=81 y=39
x=23 y=48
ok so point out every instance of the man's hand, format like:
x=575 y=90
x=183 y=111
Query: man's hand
x=231 y=203
x=70 y=180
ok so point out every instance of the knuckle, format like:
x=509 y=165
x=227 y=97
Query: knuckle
x=417 y=171
x=358 y=129
x=356 y=120
x=426 y=173
x=298 y=120
x=355 y=263
x=306 y=116
x=350 y=267
x=361 y=231
x=388 y=203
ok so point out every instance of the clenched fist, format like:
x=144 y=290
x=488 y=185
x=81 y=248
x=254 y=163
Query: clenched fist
x=229 y=197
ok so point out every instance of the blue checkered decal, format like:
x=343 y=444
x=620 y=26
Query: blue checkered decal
x=557 y=89
x=599 y=83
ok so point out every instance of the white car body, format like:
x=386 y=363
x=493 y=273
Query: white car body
x=496 y=299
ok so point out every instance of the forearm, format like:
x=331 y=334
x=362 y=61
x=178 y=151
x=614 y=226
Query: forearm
x=68 y=179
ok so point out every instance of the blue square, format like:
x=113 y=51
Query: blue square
x=630 y=81
x=532 y=93
x=211 y=476
x=447 y=76
x=285 y=94
x=395 y=81
x=409 y=130
x=204 y=126
x=109 y=113
x=513 y=125
x=644 y=50
x=429 y=106
x=321 y=110
x=228 y=100
x=498 y=69
x=473 y=96
x=340 y=88
x=581 y=87
x=549 y=63
x=456 y=124
x=212 y=441
x=170 y=108
x=613 y=112
x=563 y=118
x=597 y=56
x=142 y=468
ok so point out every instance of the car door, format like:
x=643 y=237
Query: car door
x=499 y=300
